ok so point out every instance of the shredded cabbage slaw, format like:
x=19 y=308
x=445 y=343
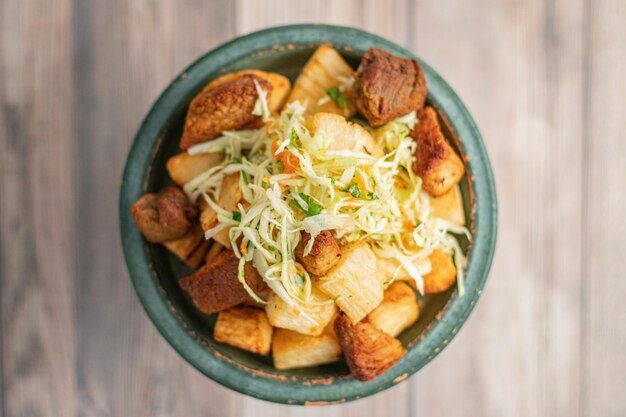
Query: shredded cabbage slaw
x=291 y=182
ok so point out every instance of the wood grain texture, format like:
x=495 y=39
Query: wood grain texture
x=519 y=67
x=604 y=341
x=543 y=79
x=36 y=210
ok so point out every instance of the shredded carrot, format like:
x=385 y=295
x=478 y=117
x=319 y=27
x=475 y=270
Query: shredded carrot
x=289 y=160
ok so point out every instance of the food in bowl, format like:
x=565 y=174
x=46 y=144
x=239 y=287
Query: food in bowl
x=313 y=216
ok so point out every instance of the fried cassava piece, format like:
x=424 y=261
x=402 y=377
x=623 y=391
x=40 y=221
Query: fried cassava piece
x=369 y=351
x=244 y=327
x=388 y=86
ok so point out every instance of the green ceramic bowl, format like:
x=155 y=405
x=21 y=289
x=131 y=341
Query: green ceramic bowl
x=154 y=271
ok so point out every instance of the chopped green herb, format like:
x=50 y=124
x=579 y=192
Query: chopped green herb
x=353 y=189
x=372 y=196
x=337 y=96
x=237 y=160
x=264 y=185
x=246 y=179
x=373 y=180
x=300 y=279
x=236 y=216
x=293 y=138
x=313 y=207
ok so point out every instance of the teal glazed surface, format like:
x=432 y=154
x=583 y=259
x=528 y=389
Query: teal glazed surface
x=154 y=272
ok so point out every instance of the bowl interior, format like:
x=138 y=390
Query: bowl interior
x=168 y=269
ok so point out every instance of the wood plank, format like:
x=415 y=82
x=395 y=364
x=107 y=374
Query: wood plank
x=386 y=18
x=36 y=209
x=518 y=66
x=604 y=341
x=126 y=53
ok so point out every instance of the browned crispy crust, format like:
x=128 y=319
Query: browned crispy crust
x=369 y=352
x=324 y=254
x=388 y=86
x=165 y=216
x=227 y=106
x=216 y=287
x=435 y=160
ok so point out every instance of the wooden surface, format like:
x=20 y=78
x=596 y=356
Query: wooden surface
x=545 y=81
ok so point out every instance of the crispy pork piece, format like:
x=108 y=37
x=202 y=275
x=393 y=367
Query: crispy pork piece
x=442 y=273
x=244 y=327
x=324 y=254
x=388 y=86
x=216 y=286
x=355 y=282
x=225 y=107
x=397 y=311
x=324 y=71
x=214 y=249
x=190 y=248
x=165 y=216
x=296 y=350
x=281 y=87
x=309 y=319
x=184 y=167
x=435 y=160
x=369 y=351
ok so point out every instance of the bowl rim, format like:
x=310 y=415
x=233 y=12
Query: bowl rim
x=257 y=384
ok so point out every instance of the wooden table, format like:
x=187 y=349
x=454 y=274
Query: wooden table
x=546 y=82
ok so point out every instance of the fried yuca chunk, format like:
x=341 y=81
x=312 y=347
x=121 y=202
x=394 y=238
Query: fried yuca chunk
x=355 y=282
x=296 y=350
x=310 y=319
x=184 y=167
x=244 y=327
x=435 y=161
x=227 y=106
x=369 y=351
x=388 y=86
x=325 y=253
x=322 y=72
x=449 y=206
x=397 y=311
x=230 y=196
x=333 y=132
x=442 y=273
x=216 y=286
x=191 y=248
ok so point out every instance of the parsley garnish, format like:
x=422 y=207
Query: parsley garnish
x=337 y=96
x=313 y=207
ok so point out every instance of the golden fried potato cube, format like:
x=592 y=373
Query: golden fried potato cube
x=295 y=350
x=334 y=133
x=369 y=351
x=324 y=254
x=397 y=311
x=442 y=273
x=324 y=70
x=310 y=320
x=435 y=161
x=184 y=167
x=449 y=206
x=355 y=282
x=244 y=327
x=229 y=197
x=190 y=248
